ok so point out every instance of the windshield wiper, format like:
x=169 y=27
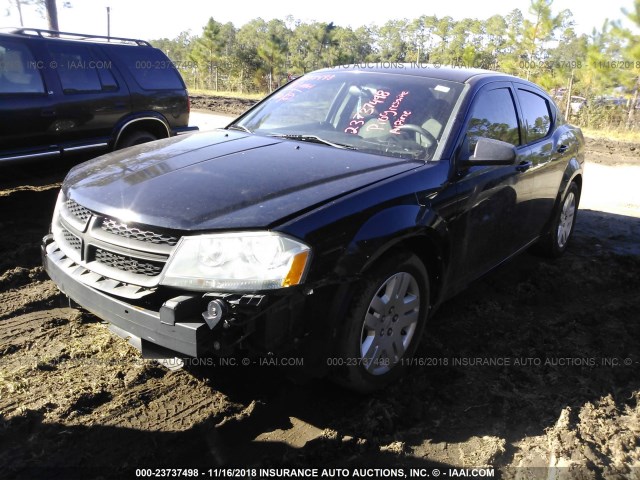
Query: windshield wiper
x=314 y=139
x=242 y=128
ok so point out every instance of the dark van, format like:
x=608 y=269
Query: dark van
x=65 y=92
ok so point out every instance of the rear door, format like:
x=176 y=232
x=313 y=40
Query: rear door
x=548 y=148
x=92 y=98
x=26 y=108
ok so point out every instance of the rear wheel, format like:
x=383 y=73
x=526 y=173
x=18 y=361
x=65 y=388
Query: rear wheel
x=555 y=242
x=384 y=324
x=136 y=138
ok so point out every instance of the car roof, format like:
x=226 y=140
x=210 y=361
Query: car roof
x=454 y=73
x=437 y=71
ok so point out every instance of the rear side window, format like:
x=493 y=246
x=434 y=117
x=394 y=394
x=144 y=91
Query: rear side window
x=151 y=69
x=536 y=115
x=19 y=72
x=493 y=115
x=109 y=83
x=77 y=68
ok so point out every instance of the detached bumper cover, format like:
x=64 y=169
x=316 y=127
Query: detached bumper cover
x=176 y=326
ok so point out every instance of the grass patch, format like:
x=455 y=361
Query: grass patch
x=630 y=136
x=213 y=93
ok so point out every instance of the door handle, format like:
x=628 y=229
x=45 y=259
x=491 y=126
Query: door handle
x=562 y=148
x=524 y=166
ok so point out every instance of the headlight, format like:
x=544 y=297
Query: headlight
x=237 y=261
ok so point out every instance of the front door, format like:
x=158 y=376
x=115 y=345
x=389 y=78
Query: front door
x=495 y=201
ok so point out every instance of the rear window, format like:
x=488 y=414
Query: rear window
x=151 y=69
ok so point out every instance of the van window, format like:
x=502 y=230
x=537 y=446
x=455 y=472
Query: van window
x=76 y=68
x=151 y=69
x=19 y=72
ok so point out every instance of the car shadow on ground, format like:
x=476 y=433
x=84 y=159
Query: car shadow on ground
x=100 y=451
x=502 y=360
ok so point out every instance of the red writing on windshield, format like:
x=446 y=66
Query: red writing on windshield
x=295 y=89
x=319 y=77
x=400 y=122
x=392 y=110
x=389 y=114
x=367 y=110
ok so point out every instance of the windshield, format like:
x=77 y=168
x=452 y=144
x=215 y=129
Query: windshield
x=395 y=115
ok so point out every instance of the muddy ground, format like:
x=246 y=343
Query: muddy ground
x=222 y=105
x=533 y=366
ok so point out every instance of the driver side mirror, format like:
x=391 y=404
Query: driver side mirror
x=489 y=151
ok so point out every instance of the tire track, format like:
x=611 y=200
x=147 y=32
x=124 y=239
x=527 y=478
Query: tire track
x=30 y=298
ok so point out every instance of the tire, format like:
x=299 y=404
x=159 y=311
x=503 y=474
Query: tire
x=555 y=242
x=136 y=138
x=375 y=340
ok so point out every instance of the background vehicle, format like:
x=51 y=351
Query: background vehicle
x=63 y=92
x=329 y=219
x=577 y=104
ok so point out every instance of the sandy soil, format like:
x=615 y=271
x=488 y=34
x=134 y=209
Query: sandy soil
x=535 y=366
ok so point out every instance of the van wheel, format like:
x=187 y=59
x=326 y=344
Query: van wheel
x=136 y=138
x=384 y=324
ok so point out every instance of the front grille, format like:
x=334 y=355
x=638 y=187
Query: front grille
x=132 y=233
x=71 y=240
x=118 y=258
x=128 y=264
x=78 y=211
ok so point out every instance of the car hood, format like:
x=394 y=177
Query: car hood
x=222 y=180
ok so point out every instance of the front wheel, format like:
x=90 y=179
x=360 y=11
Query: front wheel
x=136 y=137
x=385 y=322
x=555 y=242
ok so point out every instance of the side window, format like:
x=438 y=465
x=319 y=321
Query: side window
x=493 y=115
x=109 y=83
x=536 y=115
x=76 y=68
x=150 y=67
x=19 y=71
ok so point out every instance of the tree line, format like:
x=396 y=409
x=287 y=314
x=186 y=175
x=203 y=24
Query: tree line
x=540 y=45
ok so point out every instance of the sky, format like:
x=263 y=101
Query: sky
x=152 y=19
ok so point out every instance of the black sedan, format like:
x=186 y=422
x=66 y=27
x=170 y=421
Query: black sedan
x=329 y=221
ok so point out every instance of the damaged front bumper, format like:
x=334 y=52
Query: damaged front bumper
x=191 y=324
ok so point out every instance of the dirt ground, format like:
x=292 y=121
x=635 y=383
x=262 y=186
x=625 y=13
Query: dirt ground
x=222 y=105
x=535 y=366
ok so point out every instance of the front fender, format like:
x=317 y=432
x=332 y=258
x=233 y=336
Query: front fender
x=381 y=232
x=409 y=227
x=349 y=234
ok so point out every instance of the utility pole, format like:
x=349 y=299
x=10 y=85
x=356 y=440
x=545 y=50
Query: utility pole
x=108 y=22
x=52 y=14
